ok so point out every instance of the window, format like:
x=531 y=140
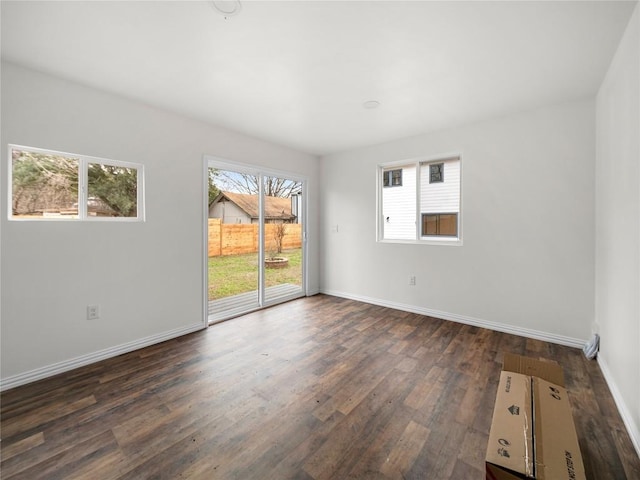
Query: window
x=392 y=178
x=440 y=224
x=426 y=205
x=435 y=172
x=48 y=185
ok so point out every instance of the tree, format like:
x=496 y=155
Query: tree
x=116 y=187
x=246 y=183
x=279 y=231
x=41 y=182
x=50 y=182
x=214 y=191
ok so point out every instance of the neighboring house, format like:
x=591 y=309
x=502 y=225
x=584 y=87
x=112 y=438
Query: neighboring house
x=242 y=208
x=439 y=199
x=399 y=203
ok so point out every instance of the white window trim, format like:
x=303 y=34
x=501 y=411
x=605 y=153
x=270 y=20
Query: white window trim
x=83 y=162
x=419 y=240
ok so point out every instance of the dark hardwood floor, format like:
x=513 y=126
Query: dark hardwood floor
x=317 y=388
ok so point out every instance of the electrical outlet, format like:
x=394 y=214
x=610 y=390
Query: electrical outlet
x=412 y=280
x=93 y=312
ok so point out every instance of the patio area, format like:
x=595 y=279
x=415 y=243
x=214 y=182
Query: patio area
x=227 y=307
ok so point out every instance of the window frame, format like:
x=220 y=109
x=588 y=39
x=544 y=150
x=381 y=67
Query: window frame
x=83 y=187
x=419 y=238
x=389 y=173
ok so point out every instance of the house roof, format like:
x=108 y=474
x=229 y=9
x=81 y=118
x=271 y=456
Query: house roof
x=274 y=207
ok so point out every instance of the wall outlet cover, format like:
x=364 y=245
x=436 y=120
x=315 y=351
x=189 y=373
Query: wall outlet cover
x=93 y=312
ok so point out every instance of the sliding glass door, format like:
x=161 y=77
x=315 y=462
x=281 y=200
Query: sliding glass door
x=283 y=237
x=255 y=238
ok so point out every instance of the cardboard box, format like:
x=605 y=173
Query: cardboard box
x=532 y=432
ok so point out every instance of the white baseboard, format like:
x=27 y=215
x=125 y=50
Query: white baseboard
x=66 y=365
x=477 y=322
x=627 y=418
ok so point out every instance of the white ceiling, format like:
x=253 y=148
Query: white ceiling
x=297 y=73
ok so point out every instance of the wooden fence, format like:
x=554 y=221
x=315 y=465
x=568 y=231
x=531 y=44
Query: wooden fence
x=236 y=239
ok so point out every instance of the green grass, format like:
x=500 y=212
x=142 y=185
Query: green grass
x=236 y=274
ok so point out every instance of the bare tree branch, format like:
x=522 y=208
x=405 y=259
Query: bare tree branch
x=248 y=184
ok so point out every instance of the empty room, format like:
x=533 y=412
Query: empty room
x=320 y=240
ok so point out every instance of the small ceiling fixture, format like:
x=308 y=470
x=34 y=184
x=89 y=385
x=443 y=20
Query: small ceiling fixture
x=371 y=104
x=226 y=8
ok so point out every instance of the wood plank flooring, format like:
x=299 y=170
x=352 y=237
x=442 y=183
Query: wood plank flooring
x=317 y=388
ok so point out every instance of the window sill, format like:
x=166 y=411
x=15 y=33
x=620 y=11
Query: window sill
x=453 y=242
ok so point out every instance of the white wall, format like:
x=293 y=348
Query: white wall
x=146 y=277
x=527 y=263
x=618 y=226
